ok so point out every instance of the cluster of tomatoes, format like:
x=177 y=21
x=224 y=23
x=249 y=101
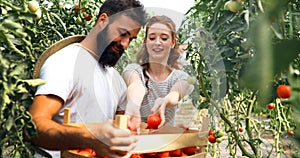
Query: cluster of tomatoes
x=187 y=151
x=283 y=92
x=87 y=152
x=183 y=152
x=215 y=136
x=153 y=122
x=78 y=9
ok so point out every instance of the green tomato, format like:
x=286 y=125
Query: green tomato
x=234 y=5
x=78 y=20
x=219 y=140
x=38 y=14
x=33 y=6
x=219 y=134
x=191 y=80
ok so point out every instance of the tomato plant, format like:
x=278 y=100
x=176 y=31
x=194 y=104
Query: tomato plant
x=153 y=121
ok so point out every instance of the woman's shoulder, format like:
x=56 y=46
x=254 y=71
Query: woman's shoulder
x=133 y=66
x=179 y=74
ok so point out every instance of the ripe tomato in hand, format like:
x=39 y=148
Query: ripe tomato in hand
x=153 y=121
x=212 y=139
x=189 y=150
x=271 y=106
x=283 y=91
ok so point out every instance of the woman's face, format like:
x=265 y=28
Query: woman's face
x=159 y=42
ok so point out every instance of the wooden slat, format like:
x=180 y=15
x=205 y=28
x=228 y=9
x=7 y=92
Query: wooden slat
x=67 y=114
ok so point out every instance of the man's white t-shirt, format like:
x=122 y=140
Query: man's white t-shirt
x=93 y=92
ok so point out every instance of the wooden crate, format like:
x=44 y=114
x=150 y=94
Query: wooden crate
x=165 y=139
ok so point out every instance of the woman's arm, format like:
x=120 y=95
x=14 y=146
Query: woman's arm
x=177 y=92
x=135 y=95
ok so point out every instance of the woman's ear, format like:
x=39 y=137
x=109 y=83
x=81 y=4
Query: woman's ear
x=103 y=20
x=174 y=43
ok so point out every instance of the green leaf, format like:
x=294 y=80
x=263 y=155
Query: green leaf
x=285 y=51
x=9 y=123
x=11 y=25
x=34 y=82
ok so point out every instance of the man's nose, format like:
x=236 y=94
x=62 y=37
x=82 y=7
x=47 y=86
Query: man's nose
x=125 y=42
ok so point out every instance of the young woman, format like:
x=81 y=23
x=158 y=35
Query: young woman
x=155 y=83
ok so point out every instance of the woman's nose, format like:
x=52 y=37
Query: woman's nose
x=157 y=41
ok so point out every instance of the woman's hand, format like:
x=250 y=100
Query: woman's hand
x=160 y=108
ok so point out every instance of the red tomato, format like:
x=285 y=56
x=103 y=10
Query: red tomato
x=76 y=8
x=153 y=121
x=149 y=155
x=136 y=156
x=212 y=139
x=85 y=153
x=175 y=153
x=163 y=154
x=87 y=17
x=184 y=155
x=283 y=91
x=189 y=150
x=241 y=129
x=211 y=132
x=271 y=106
x=291 y=132
x=87 y=150
x=101 y=156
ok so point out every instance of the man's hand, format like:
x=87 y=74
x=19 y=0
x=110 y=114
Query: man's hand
x=110 y=140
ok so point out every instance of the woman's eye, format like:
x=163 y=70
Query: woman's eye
x=164 y=39
x=151 y=38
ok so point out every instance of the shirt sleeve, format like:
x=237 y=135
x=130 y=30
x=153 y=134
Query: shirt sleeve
x=133 y=68
x=58 y=75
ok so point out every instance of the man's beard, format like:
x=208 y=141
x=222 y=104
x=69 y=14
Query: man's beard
x=108 y=57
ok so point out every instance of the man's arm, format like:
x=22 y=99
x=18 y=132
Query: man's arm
x=50 y=133
x=103 y=137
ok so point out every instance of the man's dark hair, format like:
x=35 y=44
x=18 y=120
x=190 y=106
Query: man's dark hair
x=132 y=8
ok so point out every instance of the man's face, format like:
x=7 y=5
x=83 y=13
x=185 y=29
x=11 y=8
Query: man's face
x=115 y=38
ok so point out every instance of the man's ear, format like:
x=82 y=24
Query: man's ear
x=103 y=20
